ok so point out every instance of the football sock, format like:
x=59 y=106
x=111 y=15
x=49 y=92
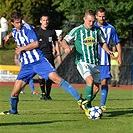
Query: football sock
x=48 y=86
x=104 y=93
x=88 y=93
x=42 y=85
x=31 y=83
x=68 y=88
x=13 y=102
x=93 y=96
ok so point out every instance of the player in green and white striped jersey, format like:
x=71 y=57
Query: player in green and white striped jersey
x=86 y=39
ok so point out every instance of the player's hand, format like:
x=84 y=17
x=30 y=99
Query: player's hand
x=120 y=61
x=6 y=38
x=110 y=53
x=68 y=50
x=59 y=59
x=18 y=51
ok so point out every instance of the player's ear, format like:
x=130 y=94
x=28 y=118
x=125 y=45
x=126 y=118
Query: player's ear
x=84 y=18
x=40 y=21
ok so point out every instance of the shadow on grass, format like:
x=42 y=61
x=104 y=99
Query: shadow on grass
x=120 y=112
x=35 y=123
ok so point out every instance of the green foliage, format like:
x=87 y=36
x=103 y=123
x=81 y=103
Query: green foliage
x=120 y=12
x=62 y=114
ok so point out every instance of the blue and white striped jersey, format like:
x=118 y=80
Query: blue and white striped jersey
x=110 y=35
x=25 y=36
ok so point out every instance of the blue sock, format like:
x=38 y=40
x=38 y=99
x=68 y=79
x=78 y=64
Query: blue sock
x=67 y=87
x=104 y=93
x=13 y=102
x=31 y=83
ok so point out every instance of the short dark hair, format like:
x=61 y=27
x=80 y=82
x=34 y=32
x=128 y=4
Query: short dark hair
x=100 y=9
x=15 y=15
x=45 y=15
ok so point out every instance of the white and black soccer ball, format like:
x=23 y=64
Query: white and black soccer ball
x=95 y=113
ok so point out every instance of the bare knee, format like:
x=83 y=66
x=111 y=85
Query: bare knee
x=19 y=84
x=104 y=82
x=55 y=77
x=89 y=80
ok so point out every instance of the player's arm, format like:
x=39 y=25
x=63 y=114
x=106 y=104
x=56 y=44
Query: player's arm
x=118 y=46
x=28 y=47
x=16 y=60
x=102 y=42
x=65 y=45
x=105 y=47
x=6 y=38
x=58 y=52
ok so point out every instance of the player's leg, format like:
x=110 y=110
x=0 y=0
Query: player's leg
x=14 y=95
x=42 y=86
x=49 y=82
x=25 y=74
x=31 y=83
x=64 y=84
x=48 y=88
x=105 y=75
x=48 y=71
x=85 y=71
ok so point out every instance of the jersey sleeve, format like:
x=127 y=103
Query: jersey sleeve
x=31 y=34
x=114 y=36
x=71 y=35
x=55 y=38
x=101 y=37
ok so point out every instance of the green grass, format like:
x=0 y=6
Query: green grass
x=62 y=114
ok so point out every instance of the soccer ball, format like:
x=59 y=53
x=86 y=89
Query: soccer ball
x=95 y=113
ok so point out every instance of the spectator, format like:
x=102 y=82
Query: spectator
x=4 y=28
x=115 y=68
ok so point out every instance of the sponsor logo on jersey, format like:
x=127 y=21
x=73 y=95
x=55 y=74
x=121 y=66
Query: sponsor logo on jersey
x=89 y=41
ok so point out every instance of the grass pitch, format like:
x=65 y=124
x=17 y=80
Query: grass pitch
x=62 y=114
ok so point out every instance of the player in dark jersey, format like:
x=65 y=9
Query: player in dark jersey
x=47 y=42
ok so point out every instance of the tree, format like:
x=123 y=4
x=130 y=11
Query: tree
x=33 y=10
x=120 y=13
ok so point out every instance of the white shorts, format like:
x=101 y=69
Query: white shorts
x=86 y=69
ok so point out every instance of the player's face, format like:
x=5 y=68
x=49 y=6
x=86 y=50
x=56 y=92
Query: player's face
x=89 y=21
x=44 y=22
x=101 y=16
x=17 y=23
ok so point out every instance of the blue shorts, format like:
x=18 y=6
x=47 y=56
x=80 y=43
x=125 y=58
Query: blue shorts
x=42 y=68
x=105 y=72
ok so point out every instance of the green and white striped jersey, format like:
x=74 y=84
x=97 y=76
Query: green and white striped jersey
x=86 y=43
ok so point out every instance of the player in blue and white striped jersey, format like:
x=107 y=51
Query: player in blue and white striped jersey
x=110 y=35
x=33 y=62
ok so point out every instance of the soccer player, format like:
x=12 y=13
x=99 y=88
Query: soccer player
x=110 y=34
x=33 y=62
x=86 y=39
